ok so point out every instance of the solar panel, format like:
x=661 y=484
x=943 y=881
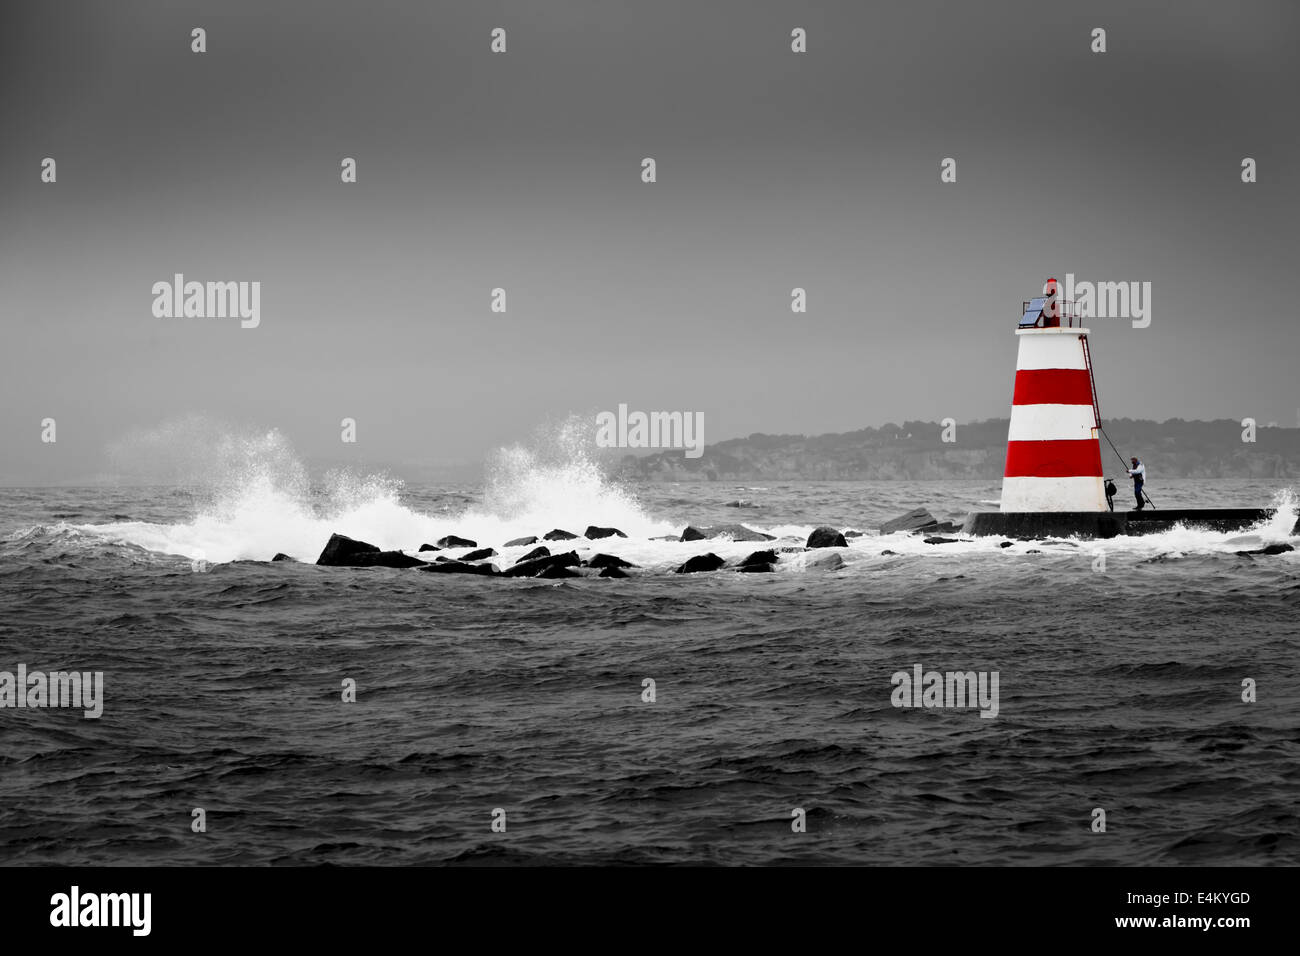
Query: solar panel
x=1033 y=309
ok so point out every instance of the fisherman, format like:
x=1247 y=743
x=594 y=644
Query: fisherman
x=1139 y=475
x=1111 y=492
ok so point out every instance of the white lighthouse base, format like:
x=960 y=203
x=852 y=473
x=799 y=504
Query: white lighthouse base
x=1053 y=494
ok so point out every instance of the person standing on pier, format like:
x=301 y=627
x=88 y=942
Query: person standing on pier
x=1139 y=475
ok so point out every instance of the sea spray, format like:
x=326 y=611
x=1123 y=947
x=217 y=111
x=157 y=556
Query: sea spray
x=253 y=498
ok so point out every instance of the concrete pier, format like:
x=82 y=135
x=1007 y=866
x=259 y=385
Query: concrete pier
x=1107 y=524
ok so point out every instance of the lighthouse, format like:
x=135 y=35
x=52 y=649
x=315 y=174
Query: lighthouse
x=1053 y=449
x=1052 y=485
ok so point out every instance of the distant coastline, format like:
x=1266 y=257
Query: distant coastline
x=916 y=451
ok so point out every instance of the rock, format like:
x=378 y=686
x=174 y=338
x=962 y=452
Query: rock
x=736 y=532
x=1005 y=544
x=947 y=527
x=759 y=557
x=460 y=567
x=824 y=562
x=826 y=538
x=340 y=550
x=701 y=562
x=1033 y=551
x=386 y=559
x=557 y=571
x=479 y=555
x=541 y=551
x=916 y=520
x=887 y=551
x=528 y=569
x=756 y=568
x=428 y=547
x=613 y=573
x=558 y=535
x=281 y=556
x=521 y=542
x=1270 y=549
x=853 y=534
x=938 y=540
x=608 y=561
x=452 y=541
x=594 y=534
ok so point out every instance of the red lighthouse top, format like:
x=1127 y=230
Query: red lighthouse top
x=1045 y=311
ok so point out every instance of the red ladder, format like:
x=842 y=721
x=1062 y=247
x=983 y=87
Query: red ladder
x=1087 y=363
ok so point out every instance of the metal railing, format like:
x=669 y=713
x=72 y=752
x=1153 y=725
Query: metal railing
x=1069 y=312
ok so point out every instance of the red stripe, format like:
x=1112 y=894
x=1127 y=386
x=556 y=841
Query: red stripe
x=1053 y=386
x=1066 y=458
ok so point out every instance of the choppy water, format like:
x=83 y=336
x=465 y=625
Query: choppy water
x=1118 y=689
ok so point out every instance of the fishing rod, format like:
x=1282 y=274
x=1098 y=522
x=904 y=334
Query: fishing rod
x=1096 y=413
x=1122 y=462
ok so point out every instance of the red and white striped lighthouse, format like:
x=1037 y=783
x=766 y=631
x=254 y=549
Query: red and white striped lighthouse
x=1053 y=452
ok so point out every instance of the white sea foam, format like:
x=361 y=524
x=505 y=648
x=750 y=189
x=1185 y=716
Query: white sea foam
x=254 y=499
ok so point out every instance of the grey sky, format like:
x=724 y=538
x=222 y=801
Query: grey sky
x=521 y=170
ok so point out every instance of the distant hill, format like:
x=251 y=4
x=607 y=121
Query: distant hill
x=915 y=450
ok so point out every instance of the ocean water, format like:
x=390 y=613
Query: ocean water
x=1119 y=688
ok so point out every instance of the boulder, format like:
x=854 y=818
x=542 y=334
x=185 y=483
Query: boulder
x=916 y=520
x=829 y=561
x=558 y=535
x=281 y=556
x=887 y=551
x=386 y=559
x=826 y=538
x=937 y=540
x=853 y=534
x=459 y=567
x=541 y=551
x=760 y=568
x=613 y=573
x=608 y=561
x=736 y=532
x=593 y=533
x=452 y=541
x=428 y=547
x=479 y=555
x=521 y=542
x=1005 y=544
x=759 y=557
x=701 y=562
x=1270 y=549
x=340 y=550
x=528 y=569
x=557 y=571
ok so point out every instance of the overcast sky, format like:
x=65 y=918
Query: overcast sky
x=522 y=171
